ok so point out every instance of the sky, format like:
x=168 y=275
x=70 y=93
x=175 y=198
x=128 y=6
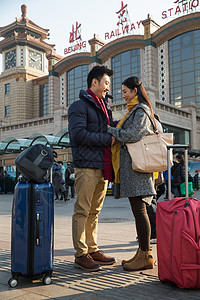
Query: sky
x=94 y=16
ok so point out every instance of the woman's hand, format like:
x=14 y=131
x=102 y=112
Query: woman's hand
x=113 y=141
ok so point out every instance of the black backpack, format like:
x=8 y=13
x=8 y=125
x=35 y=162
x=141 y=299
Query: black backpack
x=35 y=161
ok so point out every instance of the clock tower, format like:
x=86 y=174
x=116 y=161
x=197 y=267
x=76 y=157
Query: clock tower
x=24 y=58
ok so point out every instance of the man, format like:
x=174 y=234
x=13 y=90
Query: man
x=90 y=142
x=178 y=173
x=196 y=180
x=68 y=181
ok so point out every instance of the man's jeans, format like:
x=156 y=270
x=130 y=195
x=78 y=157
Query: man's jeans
x=90 y=190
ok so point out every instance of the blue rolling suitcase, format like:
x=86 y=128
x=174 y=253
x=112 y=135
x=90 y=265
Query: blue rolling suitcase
x=32 y=231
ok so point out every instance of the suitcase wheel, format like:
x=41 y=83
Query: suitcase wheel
x=46 y=280
x=12 y=282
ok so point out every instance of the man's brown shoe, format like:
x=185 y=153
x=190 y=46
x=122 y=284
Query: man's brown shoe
x=86 y=262
x=102 y=259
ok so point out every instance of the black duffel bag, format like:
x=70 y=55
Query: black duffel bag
x=35 y=161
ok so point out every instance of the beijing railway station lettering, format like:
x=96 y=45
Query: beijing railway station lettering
x=126 y=27
x=124 y=24
x=182 y=7
x=75 y=39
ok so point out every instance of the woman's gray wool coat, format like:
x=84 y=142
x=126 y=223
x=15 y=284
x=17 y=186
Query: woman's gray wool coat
x=134 y=128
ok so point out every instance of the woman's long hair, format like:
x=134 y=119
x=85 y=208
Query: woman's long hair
x=134 y=82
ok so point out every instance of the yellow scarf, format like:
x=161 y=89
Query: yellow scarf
x=115 y=149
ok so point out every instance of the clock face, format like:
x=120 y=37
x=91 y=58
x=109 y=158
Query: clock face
x=10 y=59
x=35 y=60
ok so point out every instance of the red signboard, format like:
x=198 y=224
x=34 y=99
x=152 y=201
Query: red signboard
x=9 y=162
x=75 y=39
x=61 y=157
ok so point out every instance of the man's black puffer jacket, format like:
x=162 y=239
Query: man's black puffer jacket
x=88 y=132
x=178 y=173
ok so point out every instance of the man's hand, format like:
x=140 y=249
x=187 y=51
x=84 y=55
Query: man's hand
x=113 y=141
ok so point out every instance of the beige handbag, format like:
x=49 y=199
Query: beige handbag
x=150 y=153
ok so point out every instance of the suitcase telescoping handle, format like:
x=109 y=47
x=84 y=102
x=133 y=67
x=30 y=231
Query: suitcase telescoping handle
x=177 y=146
x=37 y=229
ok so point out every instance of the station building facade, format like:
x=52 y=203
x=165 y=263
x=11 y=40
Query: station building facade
x=36 y=100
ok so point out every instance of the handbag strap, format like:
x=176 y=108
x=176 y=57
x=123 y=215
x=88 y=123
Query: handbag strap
x=154 y=127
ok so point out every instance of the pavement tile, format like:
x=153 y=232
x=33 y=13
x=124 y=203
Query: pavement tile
x=7 y=293
x=116 y=237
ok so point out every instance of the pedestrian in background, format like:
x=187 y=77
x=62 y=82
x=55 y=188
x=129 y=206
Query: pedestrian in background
x=6 y=179
x=138 y=187
x=196 y=180
x=57 y=181
x=90 y=142
x=178 y=173
x=69 y=183
x=165 y=174
x=62 y=169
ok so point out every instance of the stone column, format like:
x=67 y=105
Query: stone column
x=193 y=133
x=95 y=44
x=54 y=92
x=151 y=60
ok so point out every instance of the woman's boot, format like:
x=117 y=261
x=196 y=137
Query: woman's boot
x=125 y=261
x=144 y=260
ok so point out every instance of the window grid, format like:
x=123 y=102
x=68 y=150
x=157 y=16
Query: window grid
x=184 y=69
x=7 y=111
x=124 y=65
x=7 y=88
x=162 y=73
x=76 y=81
x=44 y=100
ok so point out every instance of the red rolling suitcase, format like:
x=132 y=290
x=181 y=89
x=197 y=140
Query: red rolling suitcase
x=178 y=237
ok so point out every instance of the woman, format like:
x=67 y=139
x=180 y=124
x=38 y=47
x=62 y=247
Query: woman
x=138 y=187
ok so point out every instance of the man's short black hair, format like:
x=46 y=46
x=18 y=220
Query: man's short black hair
x=98 y=72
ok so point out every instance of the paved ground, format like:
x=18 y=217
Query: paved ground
x=116 y=237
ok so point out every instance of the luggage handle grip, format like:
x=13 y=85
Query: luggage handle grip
x=177 y=146
x=37 y=229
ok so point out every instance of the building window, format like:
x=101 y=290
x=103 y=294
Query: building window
x=7 y=111
x=181 y=136
x=184 y=68
x=76 y=81
x=44 y=100
x=7 y=88
x=124 y=65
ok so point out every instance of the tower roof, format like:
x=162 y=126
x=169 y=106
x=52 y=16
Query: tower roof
x=24 y=31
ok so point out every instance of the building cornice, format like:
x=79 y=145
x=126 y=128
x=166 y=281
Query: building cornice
x=176 y=27
x=72 y=61
x=25 y=40
x=119 y=45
